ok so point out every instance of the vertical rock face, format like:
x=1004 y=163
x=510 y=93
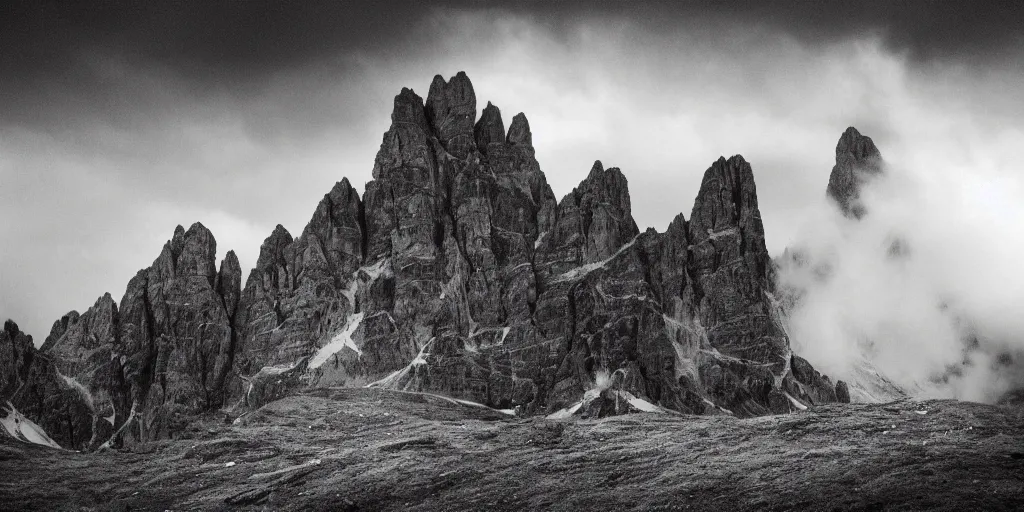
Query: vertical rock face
x=592 y=223
x=80 y=347
x=747 y=352
x=77 y=342
x=519 y=132
x=16 y=355
x=33 y=385
x=732 y=267
x=857 y=160
x=300 y=292
x=175 y=337
x=489 y=128
x=456 y=272
x=451 y=111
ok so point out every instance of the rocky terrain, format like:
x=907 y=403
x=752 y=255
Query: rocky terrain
x=457 y=338
x=456 y=272
x=373 y=449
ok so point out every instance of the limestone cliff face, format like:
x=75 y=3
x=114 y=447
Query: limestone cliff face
x=456 y=272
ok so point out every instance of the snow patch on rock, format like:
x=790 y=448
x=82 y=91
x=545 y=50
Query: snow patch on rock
x=25 y=430
x=339 y=341
x=583 y=270
x=565 y=413
x=394 y=380
x=601 y=385
x=73 y=384
x=796 y=403
x=540 y=238
x=640 y=403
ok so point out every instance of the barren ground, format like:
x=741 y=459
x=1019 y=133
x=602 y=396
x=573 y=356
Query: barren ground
x=361 y=449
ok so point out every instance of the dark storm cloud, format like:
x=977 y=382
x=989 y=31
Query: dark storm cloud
x=942 y=30
x=235 y=39
x=63 y=63
x=219 y=38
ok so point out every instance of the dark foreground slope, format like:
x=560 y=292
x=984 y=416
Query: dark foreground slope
x=367 y=449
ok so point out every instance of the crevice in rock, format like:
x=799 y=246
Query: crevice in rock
x=147 y=371
x=364 y=232
x=572 y=317
x=449 y=211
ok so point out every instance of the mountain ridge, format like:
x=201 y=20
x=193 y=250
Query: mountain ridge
x=455 y=272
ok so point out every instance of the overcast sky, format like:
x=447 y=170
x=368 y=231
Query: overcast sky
x=119 y=123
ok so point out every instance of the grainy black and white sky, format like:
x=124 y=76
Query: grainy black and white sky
x=120 y=120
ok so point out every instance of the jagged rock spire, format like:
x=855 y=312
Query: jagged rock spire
x=335 y=233
x=594 y=221
x=174 y=337
x=857 y=161
x=451 y=111
x=229 y=282
x=519 y=132
x=732 y=265
x=16 y=352
x=405 y=144
x=489 y=128
x=727 y=202
x=408 y=109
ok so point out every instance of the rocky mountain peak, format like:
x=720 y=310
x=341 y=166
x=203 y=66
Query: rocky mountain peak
x=451 y=112
x=519 y=131
x=593 y=222
x=99 y=321
x=16 y=354
x=727 y=198
x=279 y=235
x=198 y=253
x=732 y=266
x=335 y=209
x=229 y=282
x=406 y=143
x=59 y=328
x=177 y=239
x=332 y=241
x=489 y=128
x=853 y=145
x=857 y=161
x=343 y=191
x=408 y=109
x=272 y=250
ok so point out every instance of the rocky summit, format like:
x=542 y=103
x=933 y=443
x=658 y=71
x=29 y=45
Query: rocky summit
x=857 y=162
x=457 y=273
